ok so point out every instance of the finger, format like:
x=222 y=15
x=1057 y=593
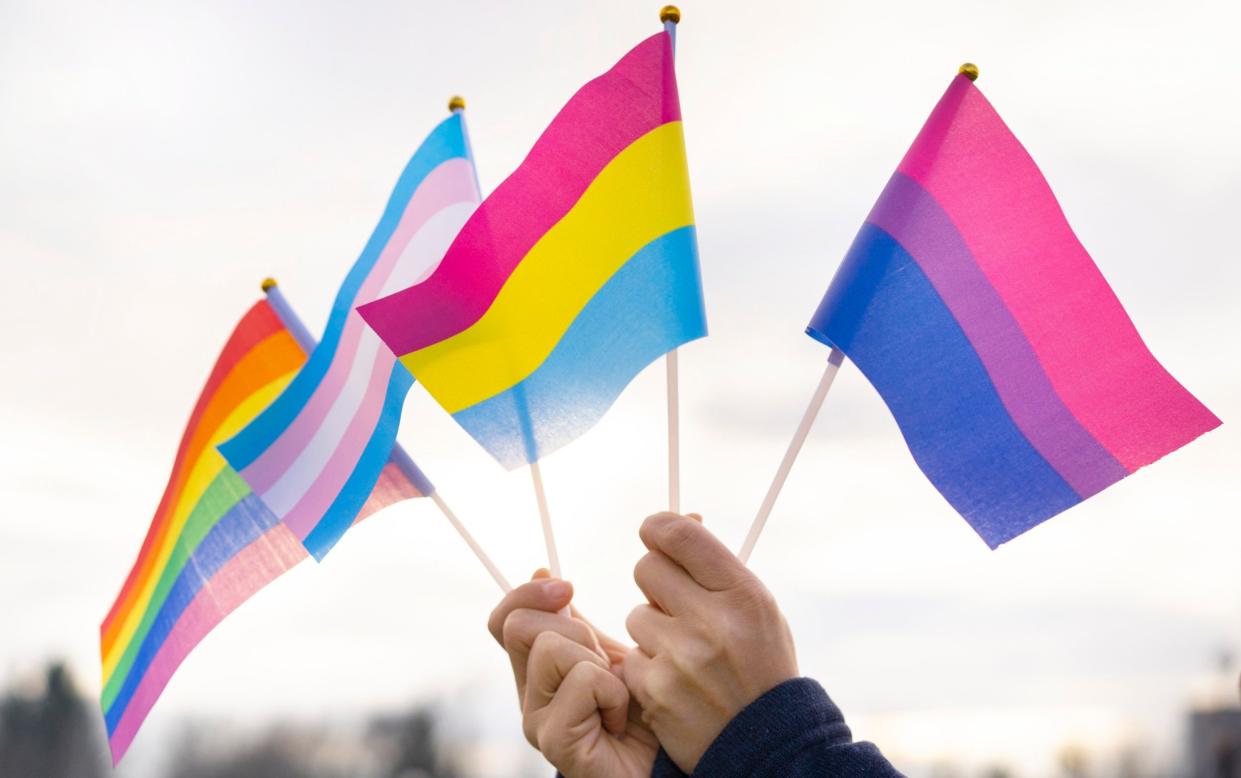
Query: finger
x=587 y=691
x=666 y=584
x=691 y=546
x=636 y=675
x=524 y=625
x=649 y=627
x=695 y=516
x=540 y=594
x=612 y=648
x=551 y=658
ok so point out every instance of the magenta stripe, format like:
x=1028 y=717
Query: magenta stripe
x=978 y=172
x=318 y=497
x=255 y=566
x=913 y=218
x=601 y=120
x=445 y=186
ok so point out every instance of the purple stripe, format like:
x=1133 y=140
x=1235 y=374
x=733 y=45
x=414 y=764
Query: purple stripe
x=914 y=219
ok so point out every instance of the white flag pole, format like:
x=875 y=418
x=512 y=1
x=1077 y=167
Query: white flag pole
x=834 y=361
x=293 y=322
x=549 y=537
x=670 y=15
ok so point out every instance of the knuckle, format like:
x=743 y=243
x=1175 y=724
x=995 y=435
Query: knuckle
x=660 y=689
x=703 y=652
x=513 y=629
x=634 y=619
x=545 y=643
x=495 y=622
x=680 y=535
x=750 y=595
x=530 y=728
x=581 y=634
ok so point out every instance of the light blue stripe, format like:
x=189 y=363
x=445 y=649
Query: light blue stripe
x=446 y=141
x=340 y=516
x=649 y=307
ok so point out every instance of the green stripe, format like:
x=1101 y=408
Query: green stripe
x=225 y=491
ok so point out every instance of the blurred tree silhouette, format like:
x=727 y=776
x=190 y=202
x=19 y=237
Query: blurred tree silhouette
x=278 y=753
x=411 y=746
x=49 y=731
x=397 y=746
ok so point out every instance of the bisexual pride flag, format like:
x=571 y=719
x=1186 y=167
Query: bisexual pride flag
x=315 y=453
x=578 y=271
x=212 y=543
x=1017 y=379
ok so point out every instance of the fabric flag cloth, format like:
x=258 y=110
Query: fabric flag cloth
x=212 y=543
x=578 y=271
x=316 y=452
x=1018 y=380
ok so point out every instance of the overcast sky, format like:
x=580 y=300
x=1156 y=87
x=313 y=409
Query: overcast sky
x=157 y=159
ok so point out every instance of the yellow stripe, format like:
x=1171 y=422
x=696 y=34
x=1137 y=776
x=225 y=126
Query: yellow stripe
x=205 y=469
x=640 y=195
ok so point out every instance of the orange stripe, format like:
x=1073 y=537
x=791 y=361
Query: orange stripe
x=257 y=324
x=269 y=359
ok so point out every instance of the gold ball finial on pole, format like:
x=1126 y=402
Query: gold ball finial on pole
x=670 y=13
x=268 y=283
x=456 y=103
x=969 y=70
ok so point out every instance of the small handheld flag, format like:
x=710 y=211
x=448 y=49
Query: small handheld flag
x=317 y=451
x=578 y=271
x=212 y=543
x=1018 y=380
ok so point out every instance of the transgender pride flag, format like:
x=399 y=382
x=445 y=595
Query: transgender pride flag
x=1018 y=380
x=314 y=455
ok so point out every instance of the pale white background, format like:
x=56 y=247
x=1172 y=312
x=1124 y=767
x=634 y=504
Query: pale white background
x=158 y=159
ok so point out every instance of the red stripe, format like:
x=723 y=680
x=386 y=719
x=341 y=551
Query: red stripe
x=258 y=324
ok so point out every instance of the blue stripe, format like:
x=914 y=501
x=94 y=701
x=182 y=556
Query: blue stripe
x=236 y=529
x=446 y=141
x=649 y=307
x=883 y=312
x=353 y=495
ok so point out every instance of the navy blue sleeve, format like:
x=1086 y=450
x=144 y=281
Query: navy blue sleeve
x=792 y=731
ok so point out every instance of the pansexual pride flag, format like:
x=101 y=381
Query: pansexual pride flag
x=212 y=542
x=1018 y=380
x=315 y=453
x=578 y=271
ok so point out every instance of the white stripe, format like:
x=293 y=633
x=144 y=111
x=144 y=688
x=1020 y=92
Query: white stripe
x=426 y=248
x=285 y=493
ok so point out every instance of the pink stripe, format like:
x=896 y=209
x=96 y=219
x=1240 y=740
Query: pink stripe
x=303 y=516
x=445 y=186
x=255 y=566
x=605 y=116
x=392 y=486
x=976 y=169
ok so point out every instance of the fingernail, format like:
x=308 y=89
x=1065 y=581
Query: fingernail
x=557 y=590
x=695 y=516
x=542 y=572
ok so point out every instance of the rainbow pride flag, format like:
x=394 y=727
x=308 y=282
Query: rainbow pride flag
x=1017 y=378
x=314 y=454
x=578 y=271
x=212 y=543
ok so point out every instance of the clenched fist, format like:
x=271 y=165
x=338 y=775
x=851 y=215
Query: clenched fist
x=710 y=640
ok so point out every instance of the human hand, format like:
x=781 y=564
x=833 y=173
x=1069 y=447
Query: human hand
x=710 y=641
x=575 y=708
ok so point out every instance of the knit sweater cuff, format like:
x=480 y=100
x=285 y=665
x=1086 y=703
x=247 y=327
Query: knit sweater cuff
x=773 y=729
